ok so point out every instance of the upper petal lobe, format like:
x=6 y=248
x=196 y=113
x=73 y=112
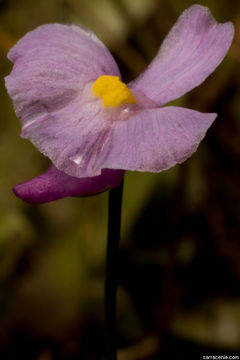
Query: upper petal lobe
x=52 y=64
x=190 y=53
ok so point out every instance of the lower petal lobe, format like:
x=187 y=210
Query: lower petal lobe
x=156 y=139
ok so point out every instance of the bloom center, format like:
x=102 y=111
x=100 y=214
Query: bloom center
x=112 y=91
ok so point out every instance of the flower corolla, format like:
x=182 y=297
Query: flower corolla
x=68 y=94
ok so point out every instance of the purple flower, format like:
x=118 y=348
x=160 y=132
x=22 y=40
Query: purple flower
x=67 y=94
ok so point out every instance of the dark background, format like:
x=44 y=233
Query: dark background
x=180 y=252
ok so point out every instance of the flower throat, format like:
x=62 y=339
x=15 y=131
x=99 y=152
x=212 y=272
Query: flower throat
x=112 y=91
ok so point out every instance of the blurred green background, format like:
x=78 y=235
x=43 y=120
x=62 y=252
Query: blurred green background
x=179 y=293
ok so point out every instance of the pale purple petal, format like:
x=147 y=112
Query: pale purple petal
x=156 y=139
x=74 y=138
x=192 y=50
x=54 y=185
x=52 y=64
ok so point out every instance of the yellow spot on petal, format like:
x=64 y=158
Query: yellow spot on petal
x=112 y=91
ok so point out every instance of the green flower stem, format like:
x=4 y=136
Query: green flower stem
x=113 y=239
